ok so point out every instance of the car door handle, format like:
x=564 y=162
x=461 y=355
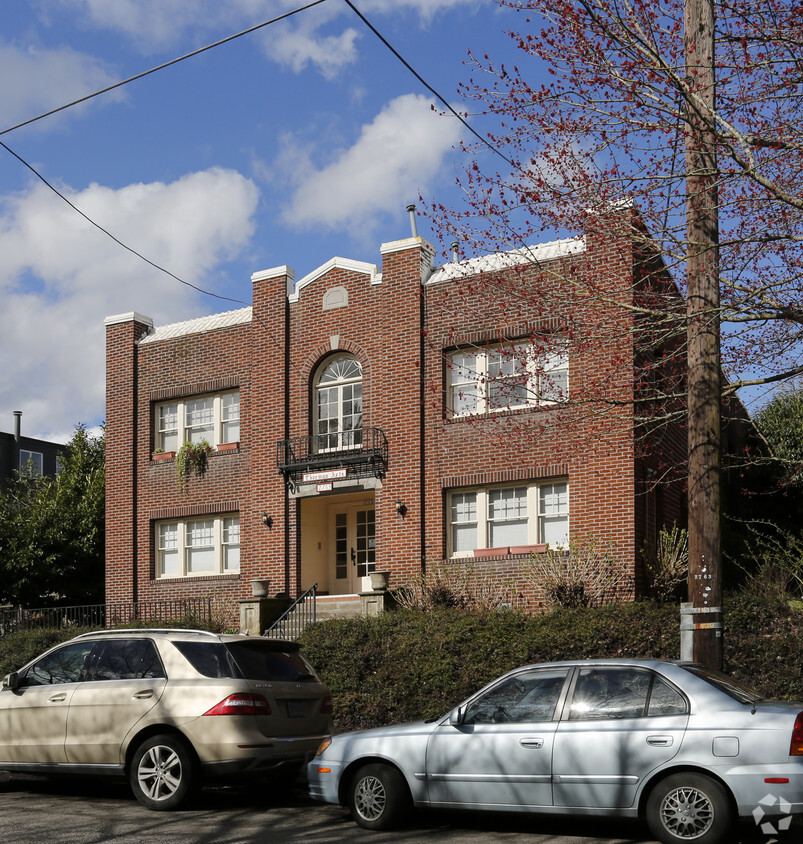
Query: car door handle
x=143 y=695
x=659 y=741
x=59 y=697
x=531 y=743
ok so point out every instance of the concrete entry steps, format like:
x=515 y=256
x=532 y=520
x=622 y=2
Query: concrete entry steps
x=337 y=606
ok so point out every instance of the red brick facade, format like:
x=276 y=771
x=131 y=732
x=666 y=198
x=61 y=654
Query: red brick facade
x=400 y=324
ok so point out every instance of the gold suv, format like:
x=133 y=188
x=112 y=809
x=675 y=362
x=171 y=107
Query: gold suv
x=164 y=708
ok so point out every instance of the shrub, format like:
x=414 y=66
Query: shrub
x=410 y=665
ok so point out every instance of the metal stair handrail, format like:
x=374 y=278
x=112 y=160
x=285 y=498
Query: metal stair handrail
x=296 y=617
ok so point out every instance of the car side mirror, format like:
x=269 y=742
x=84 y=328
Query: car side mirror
x=456 y=716
x=11 y=681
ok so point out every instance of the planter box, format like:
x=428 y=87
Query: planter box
x=163 y=456
x=491 y=552
x=528 y=549
x=224 y=448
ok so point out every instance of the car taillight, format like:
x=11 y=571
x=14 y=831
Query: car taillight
x=241 y=704
x=796 y=746
x=326 y=705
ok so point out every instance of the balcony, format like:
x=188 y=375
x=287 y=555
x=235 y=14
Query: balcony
x=338 y=459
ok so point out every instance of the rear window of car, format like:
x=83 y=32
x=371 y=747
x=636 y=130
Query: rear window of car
x=264 y=661
x=211 y=659
x=732 y=688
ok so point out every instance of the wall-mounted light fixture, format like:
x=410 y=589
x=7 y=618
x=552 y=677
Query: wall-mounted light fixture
x=267 y=521
x=401 y=508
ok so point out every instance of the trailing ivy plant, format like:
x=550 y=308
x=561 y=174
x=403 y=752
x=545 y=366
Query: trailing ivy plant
x=191 y=458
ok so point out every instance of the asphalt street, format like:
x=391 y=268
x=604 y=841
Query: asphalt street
x=37 y=810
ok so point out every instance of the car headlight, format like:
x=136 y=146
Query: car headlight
x=323 y=745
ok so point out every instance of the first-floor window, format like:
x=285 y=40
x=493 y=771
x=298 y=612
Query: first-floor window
x=209 y=545
x=495 y=517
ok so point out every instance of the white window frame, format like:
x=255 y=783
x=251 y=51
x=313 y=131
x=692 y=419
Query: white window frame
x=223 y=418
x=175 y=537
x=332 y=433
x=541 y=507
x=531 y=365
x=31 y=464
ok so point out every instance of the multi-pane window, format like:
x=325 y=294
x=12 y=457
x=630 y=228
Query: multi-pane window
x=339 y=405
x=215 y=419
x=499 y=517
x=31 y=464
x=209 y=545
x=513 y=375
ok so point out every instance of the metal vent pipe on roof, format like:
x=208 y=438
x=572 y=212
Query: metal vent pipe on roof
x=455 y=251
x=17 y=426
x=411 y=211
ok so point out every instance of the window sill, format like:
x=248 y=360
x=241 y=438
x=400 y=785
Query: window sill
x=540 y=407
x=194 y=578
x=509 y=551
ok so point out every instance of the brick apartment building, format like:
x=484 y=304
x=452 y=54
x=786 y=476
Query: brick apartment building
x=387 y=419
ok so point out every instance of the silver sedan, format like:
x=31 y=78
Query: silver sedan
x=686 y=748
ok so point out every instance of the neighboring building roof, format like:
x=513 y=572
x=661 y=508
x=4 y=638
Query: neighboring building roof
x=535 y=254
x=199 y=325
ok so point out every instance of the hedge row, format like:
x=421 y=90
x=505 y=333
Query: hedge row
x=408 y=665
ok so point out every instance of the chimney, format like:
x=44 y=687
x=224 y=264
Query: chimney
x=17 y=426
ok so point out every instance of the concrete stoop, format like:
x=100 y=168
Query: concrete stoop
x=337 y=606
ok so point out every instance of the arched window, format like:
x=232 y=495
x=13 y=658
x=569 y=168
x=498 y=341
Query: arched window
x=338 y=404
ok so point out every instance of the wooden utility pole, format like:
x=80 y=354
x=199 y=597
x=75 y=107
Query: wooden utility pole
x=702 y=311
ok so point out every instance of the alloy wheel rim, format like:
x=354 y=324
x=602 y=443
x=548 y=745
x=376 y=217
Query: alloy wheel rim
x=370 y=798
x=159 y=772
x=687 y=813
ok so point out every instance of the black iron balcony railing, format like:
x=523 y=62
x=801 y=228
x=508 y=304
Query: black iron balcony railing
x=362 y=453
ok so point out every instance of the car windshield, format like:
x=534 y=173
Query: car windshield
x=731 y=687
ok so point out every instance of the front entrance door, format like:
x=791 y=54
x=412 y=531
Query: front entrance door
x=353 y=549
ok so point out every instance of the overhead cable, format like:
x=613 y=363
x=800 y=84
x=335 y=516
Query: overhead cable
x=162 y=66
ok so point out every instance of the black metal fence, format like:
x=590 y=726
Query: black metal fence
x=191 y=611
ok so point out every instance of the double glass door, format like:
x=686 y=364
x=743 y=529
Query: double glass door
x=353 y=548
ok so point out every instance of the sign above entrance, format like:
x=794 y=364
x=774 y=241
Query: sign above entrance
x=329 y=475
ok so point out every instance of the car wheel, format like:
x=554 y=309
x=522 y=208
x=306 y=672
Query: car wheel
x=164 y=773
x=378 y=797
x=689 y=808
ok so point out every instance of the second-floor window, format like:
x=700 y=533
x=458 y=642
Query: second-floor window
x=214 y=418
x=338 y=401
x=31 y=464
x=513 y=375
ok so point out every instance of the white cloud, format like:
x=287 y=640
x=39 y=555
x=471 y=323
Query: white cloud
x=395 y=156
x=60 y=277
x=33 y=81
x=302 y=46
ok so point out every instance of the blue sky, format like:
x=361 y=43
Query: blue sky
x=296 y=143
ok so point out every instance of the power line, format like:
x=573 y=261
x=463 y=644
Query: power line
x=421 y=79
x=162 y=66
x=109 y=234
